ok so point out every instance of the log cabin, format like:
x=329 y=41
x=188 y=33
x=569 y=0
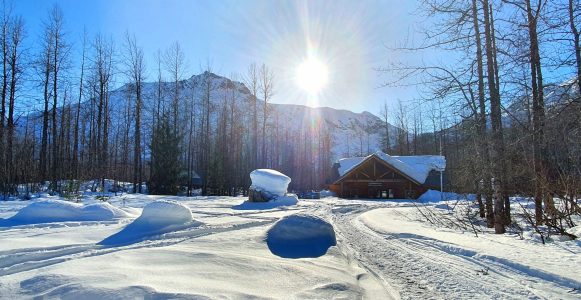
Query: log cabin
x=383 y=176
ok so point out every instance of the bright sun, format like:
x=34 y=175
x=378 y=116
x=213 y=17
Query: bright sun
x=312 y=75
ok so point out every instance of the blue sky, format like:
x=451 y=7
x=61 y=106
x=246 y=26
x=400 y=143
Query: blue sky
x=348 y=36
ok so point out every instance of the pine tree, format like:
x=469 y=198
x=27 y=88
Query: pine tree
x=165 y=159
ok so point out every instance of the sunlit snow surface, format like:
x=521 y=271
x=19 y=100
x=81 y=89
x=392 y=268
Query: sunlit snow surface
x=382 y=251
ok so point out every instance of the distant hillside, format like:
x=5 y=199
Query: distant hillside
x=353 y=133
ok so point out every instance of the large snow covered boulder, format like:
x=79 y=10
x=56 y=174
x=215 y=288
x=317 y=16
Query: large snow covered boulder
x=157 y=218
x=299 y=235
x=267 y=184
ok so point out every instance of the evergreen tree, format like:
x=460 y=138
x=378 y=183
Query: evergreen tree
x=165 y=159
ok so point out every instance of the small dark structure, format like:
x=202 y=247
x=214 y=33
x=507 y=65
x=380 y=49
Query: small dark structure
x=382 y=176
x=194 y=181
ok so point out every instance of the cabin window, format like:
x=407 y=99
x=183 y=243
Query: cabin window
x=384 y=194
x=390 y=193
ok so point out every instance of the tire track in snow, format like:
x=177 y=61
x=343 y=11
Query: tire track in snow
x=422 y=271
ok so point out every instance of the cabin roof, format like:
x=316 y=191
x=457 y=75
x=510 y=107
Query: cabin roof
x=417 y=167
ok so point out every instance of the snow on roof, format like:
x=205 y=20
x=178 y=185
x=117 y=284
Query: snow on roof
x=417 y=167
x=346 y=164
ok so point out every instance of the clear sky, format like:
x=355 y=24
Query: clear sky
x=347 y=36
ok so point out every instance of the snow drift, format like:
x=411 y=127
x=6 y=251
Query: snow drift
x=270 y=181
x=50 y=211
x=157 y=218
x=287 y=200
x=436 y=196
x=299 y=236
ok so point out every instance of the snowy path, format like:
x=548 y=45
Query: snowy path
x=420 y=267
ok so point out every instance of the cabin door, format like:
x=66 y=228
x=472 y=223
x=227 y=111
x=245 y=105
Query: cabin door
x=374 y=190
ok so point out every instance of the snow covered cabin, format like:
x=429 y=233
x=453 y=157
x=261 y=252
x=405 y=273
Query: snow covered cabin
x=384 y=176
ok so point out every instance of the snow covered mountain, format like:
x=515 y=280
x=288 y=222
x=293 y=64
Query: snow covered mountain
x=557 y=97
x=352 y=133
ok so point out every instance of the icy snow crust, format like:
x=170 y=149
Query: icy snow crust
x=271 y=181
x=157 y=218
x=49 y=211
x=417 y=167
x=299 y=236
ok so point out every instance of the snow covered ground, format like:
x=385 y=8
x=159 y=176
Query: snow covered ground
x=379 y=250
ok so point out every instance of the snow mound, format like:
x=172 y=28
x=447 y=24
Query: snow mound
x=299 y=236
x=576 y=231
x=436 y=196
x=271 y=181
x=281 y=201
x=166 y=212
x=157 y=218
x=49 y=211
x=103 y=211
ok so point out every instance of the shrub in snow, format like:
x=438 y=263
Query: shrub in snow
x=157 y=218
x=298 y=236
x=267 y=184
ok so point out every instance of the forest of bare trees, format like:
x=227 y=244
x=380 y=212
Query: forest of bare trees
x=509 y=102
x=75 y=129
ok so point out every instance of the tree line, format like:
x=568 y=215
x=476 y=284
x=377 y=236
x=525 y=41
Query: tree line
x=505 y=106
x=164 y=131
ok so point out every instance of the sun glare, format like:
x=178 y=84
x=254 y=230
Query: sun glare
x=312 y=75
